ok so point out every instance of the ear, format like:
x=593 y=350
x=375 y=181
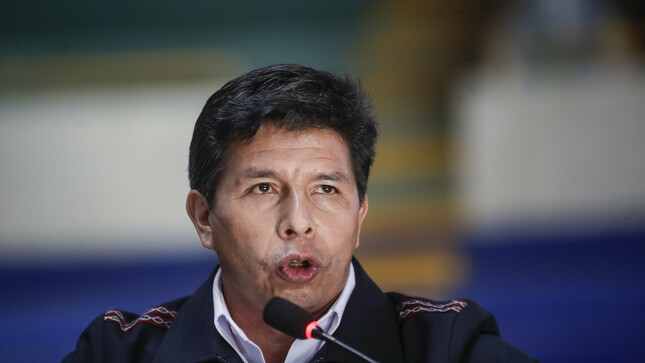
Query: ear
x=362 y=212
x=199 y=213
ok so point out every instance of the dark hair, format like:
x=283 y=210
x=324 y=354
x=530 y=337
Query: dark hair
x=289 y=96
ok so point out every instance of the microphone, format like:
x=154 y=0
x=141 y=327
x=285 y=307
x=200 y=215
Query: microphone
x=297 y=322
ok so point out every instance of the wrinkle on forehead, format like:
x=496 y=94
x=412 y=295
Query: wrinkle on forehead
x=296 y=140
x=289 y=156
x=306 y=143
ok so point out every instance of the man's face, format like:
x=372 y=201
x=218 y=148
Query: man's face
x=286 y=218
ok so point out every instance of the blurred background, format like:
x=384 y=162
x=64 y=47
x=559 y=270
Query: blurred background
x=510 y=167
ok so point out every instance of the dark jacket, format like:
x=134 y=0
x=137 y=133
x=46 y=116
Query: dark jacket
x=386 y=327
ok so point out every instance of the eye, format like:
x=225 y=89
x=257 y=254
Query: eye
x=326 y=189
x=262 y=188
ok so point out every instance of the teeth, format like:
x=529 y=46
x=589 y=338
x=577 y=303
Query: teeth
x=296 y=264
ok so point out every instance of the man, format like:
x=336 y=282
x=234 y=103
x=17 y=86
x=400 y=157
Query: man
x=278 y=168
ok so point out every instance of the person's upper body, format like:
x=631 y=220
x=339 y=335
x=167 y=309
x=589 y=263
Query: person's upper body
x=278 y=168
x=385 y=327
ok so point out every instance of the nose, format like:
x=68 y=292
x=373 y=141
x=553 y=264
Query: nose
x=296 y=220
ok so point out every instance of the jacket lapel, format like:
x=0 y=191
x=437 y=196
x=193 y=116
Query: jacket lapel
x=369 y=324
x=192 y=337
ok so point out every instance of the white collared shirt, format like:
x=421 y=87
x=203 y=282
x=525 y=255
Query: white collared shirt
x=302 y=350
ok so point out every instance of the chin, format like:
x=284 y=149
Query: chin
x=302 y=299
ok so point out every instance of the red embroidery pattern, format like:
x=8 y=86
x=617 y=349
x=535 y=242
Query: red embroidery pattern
x=414 y=306
x=159 y=316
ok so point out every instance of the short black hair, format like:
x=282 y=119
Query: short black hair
x=288 y=96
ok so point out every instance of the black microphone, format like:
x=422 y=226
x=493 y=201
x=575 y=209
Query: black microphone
x=297 y=322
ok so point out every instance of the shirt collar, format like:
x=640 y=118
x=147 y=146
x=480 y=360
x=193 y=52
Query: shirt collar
x=301 y=350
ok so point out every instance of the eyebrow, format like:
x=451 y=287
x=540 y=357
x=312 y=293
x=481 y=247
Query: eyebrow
x=258 y=173
x=263 y=173
x=338 y=177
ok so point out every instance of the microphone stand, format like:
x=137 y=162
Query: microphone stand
x=320 y=334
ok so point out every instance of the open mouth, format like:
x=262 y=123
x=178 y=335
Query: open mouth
x=299 y=264
x=298 y=271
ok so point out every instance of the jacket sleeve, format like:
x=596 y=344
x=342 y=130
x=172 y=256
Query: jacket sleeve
x=89 y=347
x=119 y=336
x=492 y=349
x=475 y=338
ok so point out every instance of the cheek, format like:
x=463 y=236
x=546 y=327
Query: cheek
x=343 y=234
x=241 y=240
x=237 y=225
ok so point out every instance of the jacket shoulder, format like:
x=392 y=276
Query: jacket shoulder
x=457 y=330
x=409 y=306
x=120 y=336
x=160 y=316
x=441 y=331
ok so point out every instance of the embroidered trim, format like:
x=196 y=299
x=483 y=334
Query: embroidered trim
x=415 y=306
x=159 y=316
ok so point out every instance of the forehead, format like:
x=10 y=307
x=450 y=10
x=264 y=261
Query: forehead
x=271 y=138
x=280 y=152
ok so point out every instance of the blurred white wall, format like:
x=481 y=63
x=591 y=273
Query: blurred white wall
x=539 y=150
x=550 y=127
x=97 y=171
